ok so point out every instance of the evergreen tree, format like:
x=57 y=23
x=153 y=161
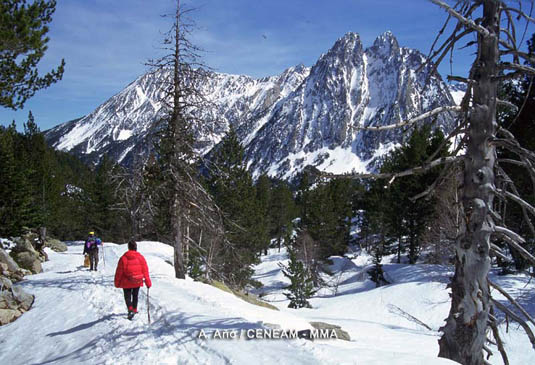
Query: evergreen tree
x=102 y=202
x=15 y=202
x=406 y=220
x=376 y=273
x=301 y=286
x=283 y=211
x=23 y=42
x=328 y=216
x=40 y=186
x=233 y=190
x=263 y=201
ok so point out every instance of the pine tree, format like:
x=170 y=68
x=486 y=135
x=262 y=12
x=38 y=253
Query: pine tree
x=301 y=286
x=233 y=190
x=23 y=29
x=15 y=203
x=102 y=201
x=376 y=273
x=328 y=216
x=263 y=201
x=283 y=211
x=407 y=219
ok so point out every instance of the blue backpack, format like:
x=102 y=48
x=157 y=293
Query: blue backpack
x=92 y=243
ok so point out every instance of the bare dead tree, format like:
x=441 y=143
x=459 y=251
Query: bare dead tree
x=133 y=196
x=184 y=200
x=492 y=25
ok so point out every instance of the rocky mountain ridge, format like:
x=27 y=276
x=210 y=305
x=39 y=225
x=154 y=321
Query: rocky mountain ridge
x=304 y=116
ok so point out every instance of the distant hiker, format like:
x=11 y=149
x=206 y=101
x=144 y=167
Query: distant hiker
x=91 y=249
x=131 y=270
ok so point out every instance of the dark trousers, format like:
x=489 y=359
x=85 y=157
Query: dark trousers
x=93 y=259
x=130 y=297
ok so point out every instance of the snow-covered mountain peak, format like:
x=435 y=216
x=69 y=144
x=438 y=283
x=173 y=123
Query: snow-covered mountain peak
x=385 y=44
x=344 y=50
x=303 y=116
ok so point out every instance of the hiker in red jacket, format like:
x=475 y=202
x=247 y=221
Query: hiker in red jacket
x=131 y=270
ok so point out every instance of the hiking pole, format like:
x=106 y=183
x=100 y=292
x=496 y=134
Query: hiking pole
x=148 y=305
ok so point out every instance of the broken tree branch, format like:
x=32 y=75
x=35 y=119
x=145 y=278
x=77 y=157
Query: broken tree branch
x=386 y=175
x=453 y=108
x=512 y=300
x=513 y=240
x=517 y=319
x=496 y=333
x=469 y=23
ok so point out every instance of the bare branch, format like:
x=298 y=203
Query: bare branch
x=465 y=21
x=517 y=67
x=517 y=199
x=511 y=161
x=517 y=319
x=397 y=310
x=496 y=250
x=507 y=104
x=517 y=195
x=512 y=300
x=386 y=175
x=453 y=108
x=511 y=234
x=521 y=14
x=514 y=242
x=496 y=333
x=460 y=79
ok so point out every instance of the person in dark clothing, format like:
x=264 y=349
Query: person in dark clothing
x=131 y=270
x=91 y=249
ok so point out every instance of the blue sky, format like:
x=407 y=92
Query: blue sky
x=105 y=43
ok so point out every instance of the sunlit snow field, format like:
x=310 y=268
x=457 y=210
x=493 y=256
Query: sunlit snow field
x=79 y=317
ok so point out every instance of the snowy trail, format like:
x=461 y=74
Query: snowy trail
x=79 y=317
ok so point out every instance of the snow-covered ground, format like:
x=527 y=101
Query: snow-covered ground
x=79 y=317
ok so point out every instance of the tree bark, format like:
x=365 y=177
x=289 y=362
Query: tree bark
x=180 y=271
x=464 y=333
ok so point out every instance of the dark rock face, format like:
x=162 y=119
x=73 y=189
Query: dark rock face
x=304 y=116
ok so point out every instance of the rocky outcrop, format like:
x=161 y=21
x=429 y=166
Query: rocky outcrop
x=5 y=259
x=13 y=303
x=13 y=300
x=9 y=269
x=25 y=254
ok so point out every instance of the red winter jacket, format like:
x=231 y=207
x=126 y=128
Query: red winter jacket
x=131 y=270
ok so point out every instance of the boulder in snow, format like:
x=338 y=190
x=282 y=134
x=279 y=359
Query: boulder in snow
x=56 y=245
x=8 y=315
x=6 y=259
x=340 y=333
x=28 y=260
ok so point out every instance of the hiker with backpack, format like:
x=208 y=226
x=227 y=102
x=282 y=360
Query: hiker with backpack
x=91 y=249
x=131 y=270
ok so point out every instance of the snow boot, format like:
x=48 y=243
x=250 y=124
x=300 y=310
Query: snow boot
x=130 y=313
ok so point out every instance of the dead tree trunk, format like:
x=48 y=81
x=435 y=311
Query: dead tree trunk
x=465 y=329
x=180 y=270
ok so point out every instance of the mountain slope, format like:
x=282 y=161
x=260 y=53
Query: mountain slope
x=302 y=116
